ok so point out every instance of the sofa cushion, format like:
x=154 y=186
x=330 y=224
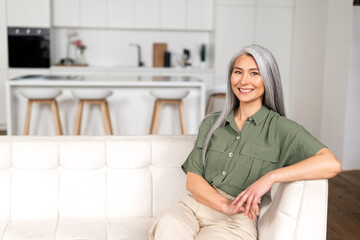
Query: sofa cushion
x=39 y=155
x=31 y=229
x=129 y=193
x=128 y=153
x=82 y=193
x=5 y=176
x=34 y=194
x=129 y=228
x=3 y=225
x=5 y=154
x=169 y=185
x=171 y=151
x=82 y=154
x=89 y=229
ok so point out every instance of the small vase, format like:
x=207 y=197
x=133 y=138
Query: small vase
x=80 y=57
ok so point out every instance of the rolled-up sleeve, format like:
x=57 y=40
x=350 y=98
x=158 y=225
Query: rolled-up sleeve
x=193 y=162
x=303 y=146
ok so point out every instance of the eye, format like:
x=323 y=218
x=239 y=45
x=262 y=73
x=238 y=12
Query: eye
x=237 y=72
x=254 y=73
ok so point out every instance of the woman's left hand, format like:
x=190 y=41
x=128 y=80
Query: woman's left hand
x=251 y=196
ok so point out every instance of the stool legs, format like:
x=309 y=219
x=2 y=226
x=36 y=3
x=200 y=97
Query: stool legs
x=155 y=118
x=28 y=116
x=105 y=115
x=55 y=113
x=56 y=116
x=182 y=117
x=78 y=117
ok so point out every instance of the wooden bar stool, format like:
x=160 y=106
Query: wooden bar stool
x=215 y=93
x=171 y=97
x=46 y=96
x=93 y=96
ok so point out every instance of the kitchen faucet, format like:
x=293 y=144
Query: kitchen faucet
x=140 y=63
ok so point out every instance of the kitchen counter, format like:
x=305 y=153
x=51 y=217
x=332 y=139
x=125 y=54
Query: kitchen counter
x=131 y=100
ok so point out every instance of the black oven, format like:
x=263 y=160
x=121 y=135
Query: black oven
x=29 y=47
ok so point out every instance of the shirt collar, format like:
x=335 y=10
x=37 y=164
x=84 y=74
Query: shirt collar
x=257 y=117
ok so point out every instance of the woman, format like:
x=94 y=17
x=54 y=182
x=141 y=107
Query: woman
x=242 y=152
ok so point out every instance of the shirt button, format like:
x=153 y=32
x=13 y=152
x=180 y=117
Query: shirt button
x=251 y=118
x=223 y=173
x=238 y=137
x=230 y=154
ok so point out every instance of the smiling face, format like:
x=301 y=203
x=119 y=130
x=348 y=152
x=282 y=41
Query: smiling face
x=246 y=81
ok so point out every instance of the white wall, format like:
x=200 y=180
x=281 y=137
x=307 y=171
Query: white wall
x=336 y=74
x=308 y=64
x=111 y=47
x=320 y=70
x=351 y=156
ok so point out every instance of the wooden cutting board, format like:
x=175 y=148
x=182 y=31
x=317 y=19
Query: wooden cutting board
x=158 y=52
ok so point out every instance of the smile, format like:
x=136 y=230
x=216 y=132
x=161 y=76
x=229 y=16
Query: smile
x=245 y=90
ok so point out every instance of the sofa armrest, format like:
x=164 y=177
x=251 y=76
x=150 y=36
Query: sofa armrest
x=295 y=210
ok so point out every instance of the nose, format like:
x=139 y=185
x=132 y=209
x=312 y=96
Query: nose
x=244 y=79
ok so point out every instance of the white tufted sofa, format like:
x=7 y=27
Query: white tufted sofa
x=111 y=187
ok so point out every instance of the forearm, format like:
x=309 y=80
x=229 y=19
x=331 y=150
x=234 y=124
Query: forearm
x=320 y=166
x=205 y=193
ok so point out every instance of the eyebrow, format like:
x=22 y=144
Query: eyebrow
x=249 y=69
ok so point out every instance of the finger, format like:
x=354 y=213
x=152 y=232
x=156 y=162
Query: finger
x=255 y=207
x=238 y=197
x=241 y=202
x=248 y=204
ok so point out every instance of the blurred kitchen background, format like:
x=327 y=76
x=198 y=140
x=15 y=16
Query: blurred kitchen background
x=316 y=43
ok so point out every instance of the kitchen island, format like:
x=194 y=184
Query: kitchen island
x=131 y=104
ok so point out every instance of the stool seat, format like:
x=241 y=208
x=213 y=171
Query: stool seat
x=40 y=93
x=91 y=94
x=169 y=94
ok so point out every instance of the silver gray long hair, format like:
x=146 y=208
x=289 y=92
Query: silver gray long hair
x=273 y=95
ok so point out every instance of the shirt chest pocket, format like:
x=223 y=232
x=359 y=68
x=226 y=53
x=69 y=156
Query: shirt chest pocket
x=213 y=161
x=254 y=161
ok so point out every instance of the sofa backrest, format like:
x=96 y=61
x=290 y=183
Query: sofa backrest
x=91 y=177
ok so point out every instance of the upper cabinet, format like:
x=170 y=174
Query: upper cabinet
x=25 y=13
x=173 y=14
x=93 y=13
x=66 y=13
x=200 y=14
x=147 y=14
x=121 y=13
x=3 y=36
x=136 y=14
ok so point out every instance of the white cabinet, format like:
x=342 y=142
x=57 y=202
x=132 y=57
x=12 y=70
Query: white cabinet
x=93 y=13
x=66 y=13
x=25 y=13
x=3 y=36
x=3 y=79
x=147 y=14
x=173 y=14
x=121 y=13
x=200 y=14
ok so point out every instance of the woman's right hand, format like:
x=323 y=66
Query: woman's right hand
x=230 y=209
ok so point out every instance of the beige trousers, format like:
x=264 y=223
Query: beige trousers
x=190 y=219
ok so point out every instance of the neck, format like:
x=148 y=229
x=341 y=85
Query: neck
x=246 y=110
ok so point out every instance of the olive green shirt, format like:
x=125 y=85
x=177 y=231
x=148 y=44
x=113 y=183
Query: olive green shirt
x=235 y=159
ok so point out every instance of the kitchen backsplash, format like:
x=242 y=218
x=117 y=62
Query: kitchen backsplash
x=112 y=47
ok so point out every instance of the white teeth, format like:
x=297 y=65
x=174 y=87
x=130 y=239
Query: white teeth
x=246 y=90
